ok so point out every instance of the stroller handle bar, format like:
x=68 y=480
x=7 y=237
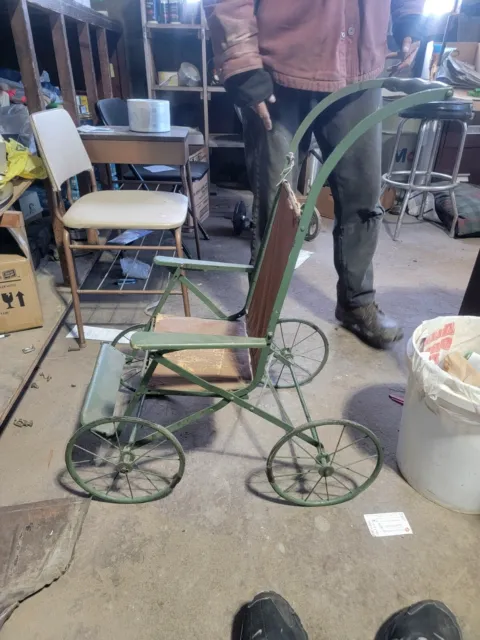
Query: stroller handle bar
x=404 y=85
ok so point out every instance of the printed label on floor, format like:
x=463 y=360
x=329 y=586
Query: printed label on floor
x=387 y=524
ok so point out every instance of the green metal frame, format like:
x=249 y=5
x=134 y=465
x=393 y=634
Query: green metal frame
x=159 y=345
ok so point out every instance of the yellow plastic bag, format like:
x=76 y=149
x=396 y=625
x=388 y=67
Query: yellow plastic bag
x=22 y=164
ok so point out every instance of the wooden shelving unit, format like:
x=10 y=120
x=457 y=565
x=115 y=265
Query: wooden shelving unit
x=152 y=34
x=101 y=47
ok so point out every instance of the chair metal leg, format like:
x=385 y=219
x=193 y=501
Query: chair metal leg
x=204 y=233
x=186 y=252
x=431 y=162
x=74 y=287
x=406 y=198
x=186 y=300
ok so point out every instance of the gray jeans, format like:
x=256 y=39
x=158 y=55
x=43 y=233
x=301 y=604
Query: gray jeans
x=355 y=182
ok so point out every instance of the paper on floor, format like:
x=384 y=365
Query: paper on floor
x=157 y=168
x=99 y=333
x=387 y=524
x=302 y=257
x=129 y=236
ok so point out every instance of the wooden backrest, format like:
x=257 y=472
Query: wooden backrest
x=269 y=294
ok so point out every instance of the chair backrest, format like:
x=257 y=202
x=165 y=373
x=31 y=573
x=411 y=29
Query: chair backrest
x=60 y=145
x=113 y=112
x=272 y=279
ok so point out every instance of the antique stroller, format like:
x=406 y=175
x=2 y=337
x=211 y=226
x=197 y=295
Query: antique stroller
x=118 y=456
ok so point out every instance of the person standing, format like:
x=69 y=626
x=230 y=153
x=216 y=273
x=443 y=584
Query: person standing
x=277 y=59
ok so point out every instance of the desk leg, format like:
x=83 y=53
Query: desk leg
x=471 y=301
x=188 y=188
x=84 y=188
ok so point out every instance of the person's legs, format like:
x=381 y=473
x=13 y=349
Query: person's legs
x=265 y=153
x=355 y=185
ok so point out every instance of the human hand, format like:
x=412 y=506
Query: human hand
x=263 y=112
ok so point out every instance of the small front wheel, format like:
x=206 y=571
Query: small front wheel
x=324 y=463
x=314 y=227
x=140 y=462
x=303 y=346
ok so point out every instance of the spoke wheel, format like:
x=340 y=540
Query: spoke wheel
x=140 y=462
x=314 y=226
x=324 y=463
x=134 y=358
x=305 y=346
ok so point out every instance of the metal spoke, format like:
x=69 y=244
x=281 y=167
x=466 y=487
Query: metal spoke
x=320 y=346
x=98 y=477
x=113 y=482
x=326 y=487
x=352 y=470
x=314 y=487
x=306 y=338
x=129 y=485
x=283 y=337
x=357 y=461
x=306 y=451
x=338 y=444
x=343 y=484
x=149 y=479
x=348 y=445
x=299 y=473
x=110 y=444
x=162 y=457
x=300 y=355
x=150 y=450
x=93 y=454
x=294 y=364
x=296 y=334
x=281 y=371
x=297 y=457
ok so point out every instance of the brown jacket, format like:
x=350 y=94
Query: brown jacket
x=318 y=45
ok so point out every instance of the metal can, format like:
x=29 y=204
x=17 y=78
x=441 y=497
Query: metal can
x=151 y=10
x=174 y=11
x=163 y=11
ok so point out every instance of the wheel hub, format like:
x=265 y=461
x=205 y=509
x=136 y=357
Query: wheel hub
x=326 y=471
x=125 y=464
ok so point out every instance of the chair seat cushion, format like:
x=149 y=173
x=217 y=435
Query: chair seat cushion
x=198 y=170
x=441 y=110
x=225 y=368
x=127 y=210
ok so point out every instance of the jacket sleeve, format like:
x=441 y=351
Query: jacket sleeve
x=407 y=19
x=234 y=33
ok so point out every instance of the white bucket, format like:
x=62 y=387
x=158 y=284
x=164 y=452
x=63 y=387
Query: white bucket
x=149 y=116
x=438 y=450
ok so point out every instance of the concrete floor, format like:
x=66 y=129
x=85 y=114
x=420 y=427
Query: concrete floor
x=182 y=567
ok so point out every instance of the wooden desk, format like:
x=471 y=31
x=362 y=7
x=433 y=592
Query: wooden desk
x=122 y=146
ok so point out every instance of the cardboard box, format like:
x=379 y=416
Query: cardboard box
x=325 y=204
x=19 y=303
x=201 y=192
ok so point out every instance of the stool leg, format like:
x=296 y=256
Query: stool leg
x=431 y=162
x=455 y=171
x=188 y=189
x=411 y=180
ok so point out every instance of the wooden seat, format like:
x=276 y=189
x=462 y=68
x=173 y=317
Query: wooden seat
x=226 y=368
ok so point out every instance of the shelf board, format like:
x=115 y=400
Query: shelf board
x=226 y=140
x=164 y=87
x=216 y=89
x=175 y=27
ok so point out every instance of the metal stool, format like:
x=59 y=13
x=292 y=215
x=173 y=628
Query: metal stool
x=433 y=116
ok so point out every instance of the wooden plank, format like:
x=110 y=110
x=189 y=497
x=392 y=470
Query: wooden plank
x=105 y=83
x=88 y=68
x=27 y=59
x=116 y=86
x=123 y=68
x=64 y=65
x=72 y=9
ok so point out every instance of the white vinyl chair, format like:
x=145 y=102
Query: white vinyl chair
x=65 y=156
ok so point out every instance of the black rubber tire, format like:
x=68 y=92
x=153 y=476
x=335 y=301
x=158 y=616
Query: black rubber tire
x=239 y=218
x=314 y=226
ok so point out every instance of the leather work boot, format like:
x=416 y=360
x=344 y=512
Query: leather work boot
x=269 y=617
x=426 y=620
x=370 y=324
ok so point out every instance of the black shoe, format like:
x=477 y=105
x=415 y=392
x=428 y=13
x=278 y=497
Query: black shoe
x=426 y=620
x=269 y=617
x=370 y=324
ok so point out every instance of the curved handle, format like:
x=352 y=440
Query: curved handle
x=413 y=85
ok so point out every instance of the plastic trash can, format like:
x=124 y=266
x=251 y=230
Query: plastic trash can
x=438 y=450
